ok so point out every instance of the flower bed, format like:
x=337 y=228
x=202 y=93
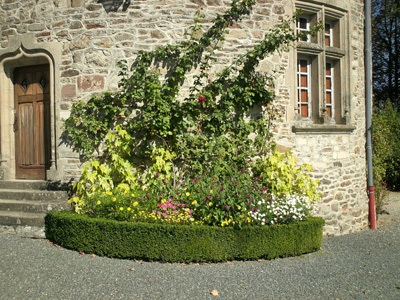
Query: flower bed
x=181 y=243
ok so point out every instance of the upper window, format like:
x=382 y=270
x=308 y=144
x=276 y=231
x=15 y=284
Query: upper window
x=322 y=66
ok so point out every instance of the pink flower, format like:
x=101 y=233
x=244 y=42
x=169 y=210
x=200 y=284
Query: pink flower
x=201 y=99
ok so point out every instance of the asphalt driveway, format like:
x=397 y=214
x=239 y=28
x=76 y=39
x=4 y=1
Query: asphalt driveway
x=364 y=265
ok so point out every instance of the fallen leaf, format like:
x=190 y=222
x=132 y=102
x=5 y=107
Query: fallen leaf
x=228 y=262
x=244 y=287
x=131 y=269
x=398 y=287
x=214 y=293
x=81 y=253
x=93 y=255
x=201 y=263
x=150 y=280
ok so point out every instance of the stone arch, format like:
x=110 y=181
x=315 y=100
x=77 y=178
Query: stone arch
x=23 y=51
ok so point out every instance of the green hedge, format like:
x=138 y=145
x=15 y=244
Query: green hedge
x=181 y=243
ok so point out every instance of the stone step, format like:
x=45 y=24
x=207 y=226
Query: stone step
x=36 y=195
x=31 y=185
x=24 y=203
x=33 y=206
x=23 y=184
x=17 y=218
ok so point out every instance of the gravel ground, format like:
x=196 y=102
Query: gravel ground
x=364 y=265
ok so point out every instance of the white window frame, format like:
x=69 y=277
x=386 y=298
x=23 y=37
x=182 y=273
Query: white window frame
x=332 y=89
x=300 y=88
x=319 y=54
x=330 y=34
x=299 y=29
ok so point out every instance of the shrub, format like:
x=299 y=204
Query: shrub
x=386 y=152
x=282 y=175
x=237 y=199
x=181 y=243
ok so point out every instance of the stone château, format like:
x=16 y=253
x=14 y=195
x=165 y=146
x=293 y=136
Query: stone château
x=70 y=48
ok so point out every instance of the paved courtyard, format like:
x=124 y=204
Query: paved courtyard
x=364 y=265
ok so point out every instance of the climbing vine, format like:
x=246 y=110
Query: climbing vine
x=210 y=126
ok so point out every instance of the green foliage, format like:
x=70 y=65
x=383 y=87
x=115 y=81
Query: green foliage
x=179 y=243
x=147 y=138
x=114 y=169
x=161 y=168
x=386 y=152
x=213 y=123
x=225 y=199
x=238 y=200
x=282 y=175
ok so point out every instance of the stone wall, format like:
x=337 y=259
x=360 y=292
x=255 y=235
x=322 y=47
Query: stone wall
x=93 y=36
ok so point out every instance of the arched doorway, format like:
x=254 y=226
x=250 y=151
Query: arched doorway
x=29 y=136
x=32 y=121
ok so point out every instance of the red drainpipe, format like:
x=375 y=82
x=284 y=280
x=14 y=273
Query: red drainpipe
x=371 y=196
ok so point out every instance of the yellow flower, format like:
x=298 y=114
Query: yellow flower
x=108 y=193
x=211 y=204
x=211 y=191
x=194 y=202
x=135 y=203
x=129 y=209
x=114 y=199
x=188 y=194
x=89 y=195
x=98 y=202
x=132 y=195
x=185 y=189
x=239 y=207
x=121 y=208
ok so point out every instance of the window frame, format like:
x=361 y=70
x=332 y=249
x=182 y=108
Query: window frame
x=322 y=54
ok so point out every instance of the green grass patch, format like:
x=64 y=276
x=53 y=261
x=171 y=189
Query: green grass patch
x=181 y=243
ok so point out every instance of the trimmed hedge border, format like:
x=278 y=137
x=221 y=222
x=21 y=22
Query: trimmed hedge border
x=181 y=243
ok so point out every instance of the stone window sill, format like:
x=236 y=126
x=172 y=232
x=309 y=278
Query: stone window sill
x=322 y=129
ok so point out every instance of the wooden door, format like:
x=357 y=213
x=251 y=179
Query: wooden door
x=32 y=121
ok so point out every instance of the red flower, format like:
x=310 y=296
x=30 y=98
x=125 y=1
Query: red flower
x=201 y=99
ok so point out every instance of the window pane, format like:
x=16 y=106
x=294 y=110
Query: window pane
x=304 y=111
x=303 y=65
x=303 y=81
x=304 y=96
x=303 y=87
x=328 y=97
x=303 y=23
x=328 y=83
x=328 y=69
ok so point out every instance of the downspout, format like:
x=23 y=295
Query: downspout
x=368 y=111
